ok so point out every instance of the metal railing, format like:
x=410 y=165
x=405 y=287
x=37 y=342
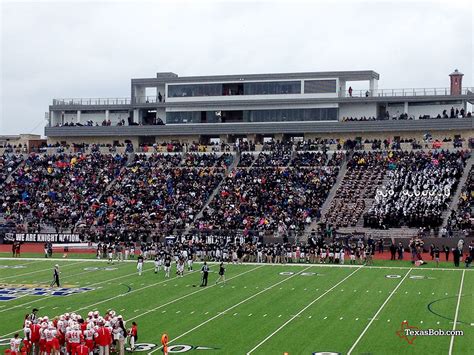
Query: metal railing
x=92 y=101
x=355 y=93
x=405 y=92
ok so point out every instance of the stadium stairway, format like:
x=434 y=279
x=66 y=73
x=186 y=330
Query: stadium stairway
x=455 y=199
x=234 y=165
x=327 y=203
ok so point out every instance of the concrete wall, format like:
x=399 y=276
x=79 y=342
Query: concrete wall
x=69 y=117
x=432 y=110
x=357 y=110
x=115 y=117
x=214 y=107
x=92 y=140
x=95 y=117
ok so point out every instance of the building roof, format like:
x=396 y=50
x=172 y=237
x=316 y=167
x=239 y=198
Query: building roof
x=170 y=77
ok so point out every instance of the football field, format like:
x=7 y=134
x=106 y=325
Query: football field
x=262 y=308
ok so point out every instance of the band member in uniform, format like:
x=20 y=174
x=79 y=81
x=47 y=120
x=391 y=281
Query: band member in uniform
x=221 y=273
x=140 y=265
x=56 y=273
x=205 y=274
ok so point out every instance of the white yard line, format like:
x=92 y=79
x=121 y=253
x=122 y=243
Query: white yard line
x=232 y=307
x=264 y=264
x=98 y=283
x=187 y=295
x=451 y=343
x=35 y=272
x=89 y=285
x=301 y=311
x=377 y=313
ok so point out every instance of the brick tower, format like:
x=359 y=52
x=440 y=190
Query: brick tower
x=456 y=82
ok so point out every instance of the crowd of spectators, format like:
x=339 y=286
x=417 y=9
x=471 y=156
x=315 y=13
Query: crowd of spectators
x=453 y=113
x=273 y=158
x=461 y=219
x=55 y=190
x=419 y=187
x=271 y=198
x=154 y=192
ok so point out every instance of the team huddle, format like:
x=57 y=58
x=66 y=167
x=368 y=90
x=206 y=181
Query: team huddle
x=70 y=334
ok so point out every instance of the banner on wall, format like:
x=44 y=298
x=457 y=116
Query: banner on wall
x=42 y=237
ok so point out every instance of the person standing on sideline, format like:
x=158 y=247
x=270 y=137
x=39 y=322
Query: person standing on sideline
x=221 y=273
x=393 y=251
x=350 y=91
x=446 y=252
x=205 y=274
x=400 y=250
x=164 y=343
x=456 y=256
x=56 y=273
x=436 y=253
x=133 y=336
x=140 y=265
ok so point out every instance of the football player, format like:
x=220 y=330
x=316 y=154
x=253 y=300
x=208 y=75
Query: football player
x=140 y=264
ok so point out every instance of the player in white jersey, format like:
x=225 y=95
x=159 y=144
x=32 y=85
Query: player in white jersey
x=190 y=262
x=52 y=342
x=158 y=263
x=15 y=345
x=89 y=337
x=27 y=336
x=180 y=267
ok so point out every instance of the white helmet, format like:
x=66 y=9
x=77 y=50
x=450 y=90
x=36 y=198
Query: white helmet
x=90 y=314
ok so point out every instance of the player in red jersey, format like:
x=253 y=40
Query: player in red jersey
x=103 y=338
x=133 y=335
x=82 y=349
x=35 y=337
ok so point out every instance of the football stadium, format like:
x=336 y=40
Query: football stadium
x=279 y=212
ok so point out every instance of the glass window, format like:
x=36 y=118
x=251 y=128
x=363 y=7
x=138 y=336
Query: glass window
x=194 y=90
x=319 y=86
x=272 y=88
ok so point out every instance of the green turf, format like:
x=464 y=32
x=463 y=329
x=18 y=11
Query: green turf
x=311 y=309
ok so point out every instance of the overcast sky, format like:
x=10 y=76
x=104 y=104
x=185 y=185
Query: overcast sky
x=92 y=49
